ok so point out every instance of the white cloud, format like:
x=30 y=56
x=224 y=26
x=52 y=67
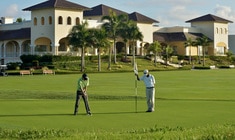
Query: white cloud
x=12 y=10
x=226 y=12
x=177 y=15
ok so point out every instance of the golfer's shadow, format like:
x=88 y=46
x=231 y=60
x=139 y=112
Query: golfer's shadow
x=67 y=114
x=107 y=113
x=33 y=115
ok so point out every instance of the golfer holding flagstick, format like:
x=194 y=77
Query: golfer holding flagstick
x=149 y=82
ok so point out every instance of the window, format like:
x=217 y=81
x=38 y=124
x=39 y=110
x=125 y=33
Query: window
x=35 y=21
x=77 y=21
x=219 y=50
x=217 y=31
x=69 y=20
x=225 y=31
x=60 y=20
x=42 y=20
x=221 y=30
x=50 y=20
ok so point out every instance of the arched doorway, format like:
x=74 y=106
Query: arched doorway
x=120 y=46
x=26 y=47
x=63 y=46
x=43 y=46
x=220 y=48
x=12 y=49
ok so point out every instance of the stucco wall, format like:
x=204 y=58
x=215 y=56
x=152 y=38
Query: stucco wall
x=232 y=43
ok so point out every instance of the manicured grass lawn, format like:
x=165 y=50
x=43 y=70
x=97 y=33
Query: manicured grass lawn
x=113 y=115
x=188 y=99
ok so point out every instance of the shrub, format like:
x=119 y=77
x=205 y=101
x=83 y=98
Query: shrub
x=14 y=65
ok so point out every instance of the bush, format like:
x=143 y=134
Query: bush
x=14 y=65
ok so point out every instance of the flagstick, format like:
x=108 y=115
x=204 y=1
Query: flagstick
x=136 y=72
x=136 y=95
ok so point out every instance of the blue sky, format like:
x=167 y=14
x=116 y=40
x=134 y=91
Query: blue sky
x=168 y=12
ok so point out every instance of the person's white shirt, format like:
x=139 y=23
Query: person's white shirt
x=148 y=79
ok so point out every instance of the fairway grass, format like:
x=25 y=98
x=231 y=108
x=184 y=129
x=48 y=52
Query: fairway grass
x=113 y=115
x=184 y=99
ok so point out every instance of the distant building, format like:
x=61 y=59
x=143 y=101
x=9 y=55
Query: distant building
x=213 y=27
x=231 y=42
x=52 y=20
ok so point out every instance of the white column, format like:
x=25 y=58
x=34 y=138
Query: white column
x=127 y=48
x=95 y=51
x=4 y=50
x=20 y=47
x=32 y=47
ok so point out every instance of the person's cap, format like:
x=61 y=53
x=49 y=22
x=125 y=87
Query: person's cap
x=84 y=76
x=146 y=71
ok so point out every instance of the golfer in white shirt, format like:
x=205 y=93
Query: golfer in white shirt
x=149 y=82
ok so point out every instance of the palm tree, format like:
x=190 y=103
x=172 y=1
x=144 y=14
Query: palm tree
x=189 y=43
x=79 y=37
x=155 y=47
x=112 y=25
x=168 y=53
x=99 y=40
x=130 y=33
x=204 y=42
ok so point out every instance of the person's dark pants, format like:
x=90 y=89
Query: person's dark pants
x=85 y=99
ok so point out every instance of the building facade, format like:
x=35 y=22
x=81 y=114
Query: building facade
x=52 y=20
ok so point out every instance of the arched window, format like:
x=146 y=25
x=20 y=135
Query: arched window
x=35 y=21
x=50 y=20
x=42 y=21
x=77 y=21
x=60 y=20
x=225 y=31
x=217 y=31
x=221 y=30
x=69 y=21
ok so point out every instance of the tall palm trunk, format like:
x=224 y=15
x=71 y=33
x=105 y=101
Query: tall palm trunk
x=115 y=51
x=190 y=55
x=83 y=60
x=203 y=63
x=133 y=54
x=110 y=56
x=99 y=60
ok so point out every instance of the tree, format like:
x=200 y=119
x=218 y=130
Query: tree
x=168 y=53
x=19 y=20
x=204 y=42
x=131 y=33
x=99 y=40
x=112 y=24
x=189 y=43
x=155 y=47
x=79 y=37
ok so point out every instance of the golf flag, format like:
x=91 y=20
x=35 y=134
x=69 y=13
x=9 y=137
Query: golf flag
x=135 y=68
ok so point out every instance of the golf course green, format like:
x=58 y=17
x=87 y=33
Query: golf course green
x=194 y=104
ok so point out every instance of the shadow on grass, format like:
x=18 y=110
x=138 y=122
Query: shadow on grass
x=204 y=100
x=79 y=114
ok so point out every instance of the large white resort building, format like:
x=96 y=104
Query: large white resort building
x=51 y=21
